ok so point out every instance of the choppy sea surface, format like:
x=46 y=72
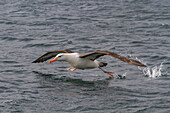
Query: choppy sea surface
x=138 y=29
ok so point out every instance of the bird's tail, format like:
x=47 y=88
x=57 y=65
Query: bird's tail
x=102 y=64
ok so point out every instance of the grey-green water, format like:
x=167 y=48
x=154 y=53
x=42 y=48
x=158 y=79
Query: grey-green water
x=132 y=28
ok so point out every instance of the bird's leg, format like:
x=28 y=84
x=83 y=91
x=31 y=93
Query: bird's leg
x=72 y=69
x=110 y=73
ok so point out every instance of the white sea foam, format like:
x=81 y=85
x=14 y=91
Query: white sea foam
x=153 y=72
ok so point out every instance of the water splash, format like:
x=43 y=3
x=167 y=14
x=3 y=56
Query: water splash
x=153 y=72
x=123 y=76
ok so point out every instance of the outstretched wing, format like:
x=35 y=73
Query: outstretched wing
x=51 y=54
x=97 y=54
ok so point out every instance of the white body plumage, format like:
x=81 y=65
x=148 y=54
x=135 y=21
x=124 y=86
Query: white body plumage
x=74 y=60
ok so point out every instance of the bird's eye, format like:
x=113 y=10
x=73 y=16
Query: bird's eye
x=59 y=56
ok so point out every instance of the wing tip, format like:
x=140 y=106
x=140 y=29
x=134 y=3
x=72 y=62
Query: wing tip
x=37 y=61
x=137 y=63
x=142 y=65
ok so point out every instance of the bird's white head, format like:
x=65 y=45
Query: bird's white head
x=59 y=57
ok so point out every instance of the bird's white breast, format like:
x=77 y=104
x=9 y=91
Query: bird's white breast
x=80 y=63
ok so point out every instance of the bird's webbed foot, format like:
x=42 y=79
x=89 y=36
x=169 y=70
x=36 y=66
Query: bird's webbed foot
x=72 y=69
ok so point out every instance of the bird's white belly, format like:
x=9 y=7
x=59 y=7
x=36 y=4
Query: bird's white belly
x=82 y=63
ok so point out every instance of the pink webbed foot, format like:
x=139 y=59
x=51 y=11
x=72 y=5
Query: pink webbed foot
x=72 y=69
x=110 y=73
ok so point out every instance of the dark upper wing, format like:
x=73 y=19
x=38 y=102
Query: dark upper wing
x=97 y=54
x=51 y=54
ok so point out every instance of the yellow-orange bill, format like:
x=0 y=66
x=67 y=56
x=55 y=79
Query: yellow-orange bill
x=53 y=60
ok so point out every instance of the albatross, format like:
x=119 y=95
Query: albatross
x=84 y=61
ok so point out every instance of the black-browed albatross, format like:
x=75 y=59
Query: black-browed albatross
x=83 y=61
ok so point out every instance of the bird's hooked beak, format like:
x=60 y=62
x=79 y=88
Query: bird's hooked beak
x=53 y=60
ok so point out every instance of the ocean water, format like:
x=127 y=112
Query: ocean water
x=138 y=29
